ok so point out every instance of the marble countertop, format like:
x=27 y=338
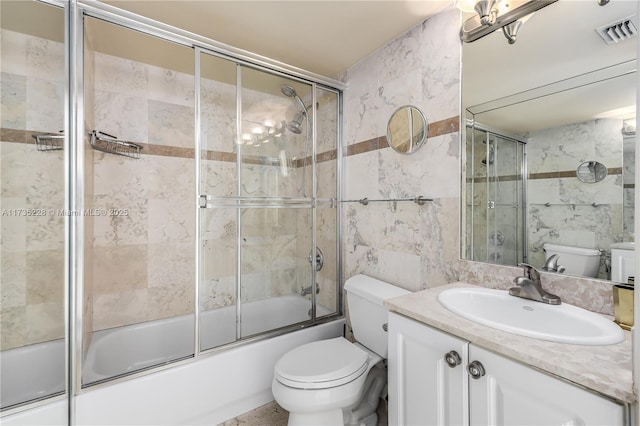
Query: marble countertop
x=604 y=369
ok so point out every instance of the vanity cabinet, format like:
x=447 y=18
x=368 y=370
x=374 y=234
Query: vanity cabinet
x=427 y=386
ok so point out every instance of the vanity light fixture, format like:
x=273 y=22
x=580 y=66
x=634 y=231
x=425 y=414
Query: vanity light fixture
x=490 y=15
x=510 y=31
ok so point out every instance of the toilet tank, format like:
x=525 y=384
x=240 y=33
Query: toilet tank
x=368 y=315
x=576 y=260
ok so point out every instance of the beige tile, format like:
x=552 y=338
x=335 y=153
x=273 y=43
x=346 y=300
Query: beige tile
x=45 y=276
x=268 y=415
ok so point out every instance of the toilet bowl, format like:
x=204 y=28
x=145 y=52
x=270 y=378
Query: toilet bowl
x=330 y=381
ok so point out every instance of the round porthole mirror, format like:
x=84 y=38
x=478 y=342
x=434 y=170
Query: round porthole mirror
x=591 y=172
x=407 y=129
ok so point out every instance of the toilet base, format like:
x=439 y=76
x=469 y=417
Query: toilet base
x=326 y=418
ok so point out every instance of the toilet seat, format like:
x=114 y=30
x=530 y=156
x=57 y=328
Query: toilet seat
x=321 y=365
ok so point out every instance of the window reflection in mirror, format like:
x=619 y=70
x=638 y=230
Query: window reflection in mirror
x=567 y=105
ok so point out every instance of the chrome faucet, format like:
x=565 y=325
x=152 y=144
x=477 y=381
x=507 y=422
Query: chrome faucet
x=308 y=290
x=551 y=265
x=530 y=287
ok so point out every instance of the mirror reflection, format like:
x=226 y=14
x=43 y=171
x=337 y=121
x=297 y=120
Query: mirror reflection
x=536 y=118
x=407 y=129
x=591 y=172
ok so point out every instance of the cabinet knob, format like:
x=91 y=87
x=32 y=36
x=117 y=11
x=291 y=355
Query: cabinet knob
x=453 y=359
x=475 y=369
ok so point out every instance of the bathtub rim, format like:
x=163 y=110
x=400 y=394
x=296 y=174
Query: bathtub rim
x=171 y=364
x=209 y=352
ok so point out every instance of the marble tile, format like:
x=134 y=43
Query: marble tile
x=15 y=159
x=13 y=46
x=122 y=115
x=119 y=268
x=45 y=59
x=362 y=175
x=13 y=225
x=170 y=300
x=171 y=264
x=13 y=279
x=45 y=105
x=170 y=86
x=13 y=95
x=45 y=276
x=170 y=124
x=440 y=55
x=132 y=228
x=168 y=177
x=116 y=309
x=119 y=75
x=13 y=327
x=217 y=292
x=171 y=220
x=45 y=321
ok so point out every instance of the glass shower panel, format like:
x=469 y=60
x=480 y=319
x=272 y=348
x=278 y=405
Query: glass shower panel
x=275 y=268
x=477 y=196
x=504 y=237
x=139 y=282
x=276 y=148
x=32 y=88
x=327 y=278
x=218 y=224
x=276 y=141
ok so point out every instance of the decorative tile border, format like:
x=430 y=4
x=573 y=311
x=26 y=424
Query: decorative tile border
x=437 y=128
x=545 y=175
x=26 y=137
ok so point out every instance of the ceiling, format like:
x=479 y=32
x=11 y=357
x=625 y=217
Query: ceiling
x=322 y=36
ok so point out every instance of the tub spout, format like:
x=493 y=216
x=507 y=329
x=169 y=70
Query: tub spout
x=308 y=290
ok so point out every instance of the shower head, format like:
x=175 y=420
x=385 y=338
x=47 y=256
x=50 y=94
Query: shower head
x=295 y=126
x=288 y=91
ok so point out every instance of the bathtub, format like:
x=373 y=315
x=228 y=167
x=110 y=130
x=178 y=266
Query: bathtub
x=32 y=372
x=211 y=389
x=121 y=350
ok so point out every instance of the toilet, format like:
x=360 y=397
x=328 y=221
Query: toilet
x=576 y=260
x=337 y=382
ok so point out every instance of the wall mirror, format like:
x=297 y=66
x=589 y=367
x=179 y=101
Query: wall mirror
x=535 y=111
x=407 y=129
x=591 y=172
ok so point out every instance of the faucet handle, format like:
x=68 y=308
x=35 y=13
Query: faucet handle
x=527 y=269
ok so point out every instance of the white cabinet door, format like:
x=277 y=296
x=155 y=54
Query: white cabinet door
x=510 y=393
x=423 y=388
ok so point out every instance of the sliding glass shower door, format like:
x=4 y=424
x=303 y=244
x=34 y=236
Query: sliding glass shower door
x=258 y=200
x=495 y=199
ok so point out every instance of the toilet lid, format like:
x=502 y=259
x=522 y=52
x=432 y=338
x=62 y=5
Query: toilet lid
x=321 y=364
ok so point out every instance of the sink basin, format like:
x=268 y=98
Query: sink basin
x=560 y=323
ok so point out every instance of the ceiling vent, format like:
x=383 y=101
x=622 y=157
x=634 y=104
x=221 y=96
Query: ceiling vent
x=618 y=31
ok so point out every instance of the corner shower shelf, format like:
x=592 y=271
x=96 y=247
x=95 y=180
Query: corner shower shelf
x=49 y=142
x=111 y=145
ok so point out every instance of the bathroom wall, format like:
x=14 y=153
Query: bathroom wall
x=32 y=244
x=413 y=246
x=570 y=219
